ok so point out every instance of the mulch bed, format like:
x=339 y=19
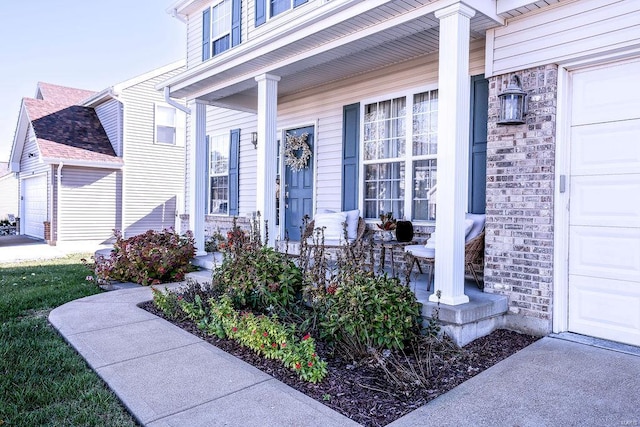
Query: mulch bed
x=360 y=391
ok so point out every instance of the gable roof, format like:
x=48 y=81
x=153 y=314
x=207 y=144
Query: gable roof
x=62 y=94
x=65 y=131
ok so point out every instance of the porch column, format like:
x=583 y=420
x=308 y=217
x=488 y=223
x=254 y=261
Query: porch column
x=198 y=173
x=267 y=153
x=453 y=148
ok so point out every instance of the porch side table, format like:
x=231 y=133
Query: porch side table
x=390 y=245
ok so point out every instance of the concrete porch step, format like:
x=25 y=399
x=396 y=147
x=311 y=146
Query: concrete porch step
x=208 y=261
x=483 y=314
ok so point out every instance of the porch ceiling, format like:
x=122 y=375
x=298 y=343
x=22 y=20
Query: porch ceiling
x=394 y=32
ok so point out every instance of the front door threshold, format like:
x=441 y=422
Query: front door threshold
x=463 y=323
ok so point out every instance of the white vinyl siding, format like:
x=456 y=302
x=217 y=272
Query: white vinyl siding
x=30 y=164
x=89 y=204
x=323 y=106
x=110 y=115
x=562 y=32
x=154 y=173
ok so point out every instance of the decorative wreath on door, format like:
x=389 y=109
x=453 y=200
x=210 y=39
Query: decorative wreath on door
x=293 y=144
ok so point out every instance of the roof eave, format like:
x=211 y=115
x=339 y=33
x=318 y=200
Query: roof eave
x=180 y=9
x=99 y=98
x=22 y=128
x=84 y=163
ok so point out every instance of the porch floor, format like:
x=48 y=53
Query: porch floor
x=483 y=314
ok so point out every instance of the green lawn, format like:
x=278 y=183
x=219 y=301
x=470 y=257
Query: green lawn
x=43 y=381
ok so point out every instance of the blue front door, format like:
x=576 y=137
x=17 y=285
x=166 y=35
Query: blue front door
x=298 y=185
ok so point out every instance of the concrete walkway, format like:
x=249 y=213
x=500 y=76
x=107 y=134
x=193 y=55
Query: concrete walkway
x=168 y=377
x=22 y=248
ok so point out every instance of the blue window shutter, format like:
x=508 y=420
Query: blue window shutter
x=478 y=144
x=234 y=169
x=350 y=155
x=297 y=3
x=261 y=12
x=207 y=186
x=206 y=34
x=236 y=19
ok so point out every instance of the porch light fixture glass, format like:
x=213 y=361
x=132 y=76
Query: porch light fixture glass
x=254 y=139
x=513 y=103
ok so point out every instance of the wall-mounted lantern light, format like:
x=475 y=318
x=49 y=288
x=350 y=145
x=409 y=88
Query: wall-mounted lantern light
x=31 y=155
x=513 y=103
x=254 y=139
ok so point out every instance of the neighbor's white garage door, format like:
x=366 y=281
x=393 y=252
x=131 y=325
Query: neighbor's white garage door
x=34 y=199
x=604 y=220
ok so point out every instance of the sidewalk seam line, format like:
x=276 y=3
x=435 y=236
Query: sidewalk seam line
x=150 y=354
x=212 y=400
x=112 y=327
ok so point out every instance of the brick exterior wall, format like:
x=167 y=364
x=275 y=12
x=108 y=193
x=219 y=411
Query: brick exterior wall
x=519 y=209
x=215 y=223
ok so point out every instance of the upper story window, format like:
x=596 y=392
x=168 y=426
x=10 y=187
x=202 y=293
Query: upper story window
x=169 y=125
x=400 y=156
x=269 y=8
x=220 y=27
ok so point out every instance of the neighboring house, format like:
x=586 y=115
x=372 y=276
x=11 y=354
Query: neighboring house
x=396 y=94
x=8 y=192
x=89 y=163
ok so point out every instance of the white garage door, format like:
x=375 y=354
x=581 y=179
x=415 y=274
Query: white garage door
x=604 y=219
x=35 y=205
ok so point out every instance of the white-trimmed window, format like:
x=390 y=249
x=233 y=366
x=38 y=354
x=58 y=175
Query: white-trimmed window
x=166 y=124
x=221 y=27
x=276 y=7
x=400 y=156
x=219 y=174
x=267 y=9
x=169 y=125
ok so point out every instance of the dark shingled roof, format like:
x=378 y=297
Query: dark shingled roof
x=67 y=131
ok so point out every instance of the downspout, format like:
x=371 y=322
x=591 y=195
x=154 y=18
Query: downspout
x=122 y=137
x=186 y=110
x=168 y=100
x=59 y=197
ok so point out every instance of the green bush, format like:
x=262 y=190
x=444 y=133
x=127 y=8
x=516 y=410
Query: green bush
x=264 y=334
x=148 y=259
x=259 y=277
x=370 y=312
x=267 y=336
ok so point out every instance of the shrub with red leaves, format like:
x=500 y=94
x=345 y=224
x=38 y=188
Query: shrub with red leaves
x=148 y=259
